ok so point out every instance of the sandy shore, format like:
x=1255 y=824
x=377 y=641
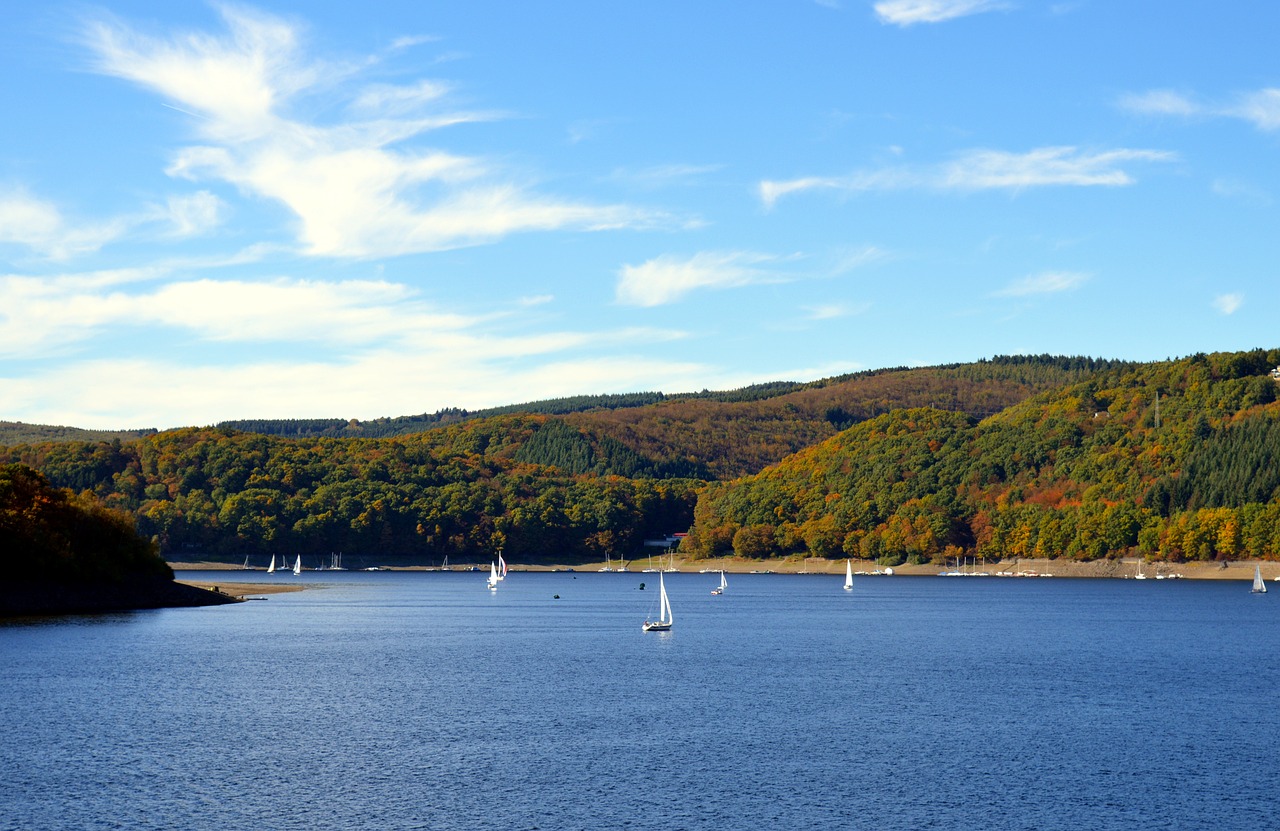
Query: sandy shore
x=1123 y=568
x=242 y=590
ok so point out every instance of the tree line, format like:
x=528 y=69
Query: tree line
x=1082 y=458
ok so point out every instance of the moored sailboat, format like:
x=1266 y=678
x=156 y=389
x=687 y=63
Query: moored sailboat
x=665 y=618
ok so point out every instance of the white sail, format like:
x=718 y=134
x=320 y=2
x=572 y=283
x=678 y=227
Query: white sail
x=1259 y=587
x=665 y=616
x=848 y=575
x=297 y=565
x=271 y=568
x=724 y=584
x=493 y=575
x=502 y=567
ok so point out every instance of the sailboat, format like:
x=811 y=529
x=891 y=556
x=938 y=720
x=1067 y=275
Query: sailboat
x=724 y=584
x=1139 y=575
x=271 y=568
x=665 y=618
x=502 y=567
x=493 y=576
x=1259 y=587
x=848 y=575
x=297 y=565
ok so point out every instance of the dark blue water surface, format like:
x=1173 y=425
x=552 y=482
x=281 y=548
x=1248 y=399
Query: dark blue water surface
x=422 y=700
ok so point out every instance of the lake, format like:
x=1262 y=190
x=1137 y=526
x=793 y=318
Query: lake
x=415 y=700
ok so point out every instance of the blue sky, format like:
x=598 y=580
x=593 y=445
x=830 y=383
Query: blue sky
x=322 y=209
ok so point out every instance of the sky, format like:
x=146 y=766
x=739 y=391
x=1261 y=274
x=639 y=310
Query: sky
x=214 y=211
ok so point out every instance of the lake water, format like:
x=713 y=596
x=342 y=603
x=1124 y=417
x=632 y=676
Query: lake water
x=422 y=700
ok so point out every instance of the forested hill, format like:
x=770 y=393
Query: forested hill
x=715 y=438
x=15 y=432
x=980 y=388
x=1010 y=457
x=1175 y=460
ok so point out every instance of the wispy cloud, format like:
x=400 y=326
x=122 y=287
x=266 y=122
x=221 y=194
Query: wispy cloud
x=911 y=12
x=359 y=188
x=1241 y=191
x=666 y=175
x=39 y=226
x=667 y=278
x=1261 y=108
x=1049 y=282
x=831 y=311
x=1228 y=304
x=984 y=170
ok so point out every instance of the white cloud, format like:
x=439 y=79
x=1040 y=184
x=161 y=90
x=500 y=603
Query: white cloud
x=667 y=278
x=117 y=393
x=1160 y=102
x=1228 y=304
x=41 y=315
x=1261 y=108
x=984 y=170
x=1049 y=282
x=385 y=99
x=663 y=175
x=195 y=214
x=354 y=188
x=911 y=12
x=38 y=225
x=830 y=311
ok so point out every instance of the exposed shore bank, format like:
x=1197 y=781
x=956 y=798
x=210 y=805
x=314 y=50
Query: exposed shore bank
x=1119 y=569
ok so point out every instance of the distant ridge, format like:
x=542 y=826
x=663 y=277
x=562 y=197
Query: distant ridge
x=387 y=427
x=16 y=432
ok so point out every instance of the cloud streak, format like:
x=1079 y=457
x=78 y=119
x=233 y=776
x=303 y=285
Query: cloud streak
x=1049 y=282
x=1261 y=108
x=912 y=12
x=981 y=169
x=668 y=278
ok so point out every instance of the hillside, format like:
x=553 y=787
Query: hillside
x=1012 y=457
x=1096 y=468
x=718 y=439
x=730 y=432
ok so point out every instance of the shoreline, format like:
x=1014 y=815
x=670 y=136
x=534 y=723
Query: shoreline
x=1126 y=568
x=238 y=590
